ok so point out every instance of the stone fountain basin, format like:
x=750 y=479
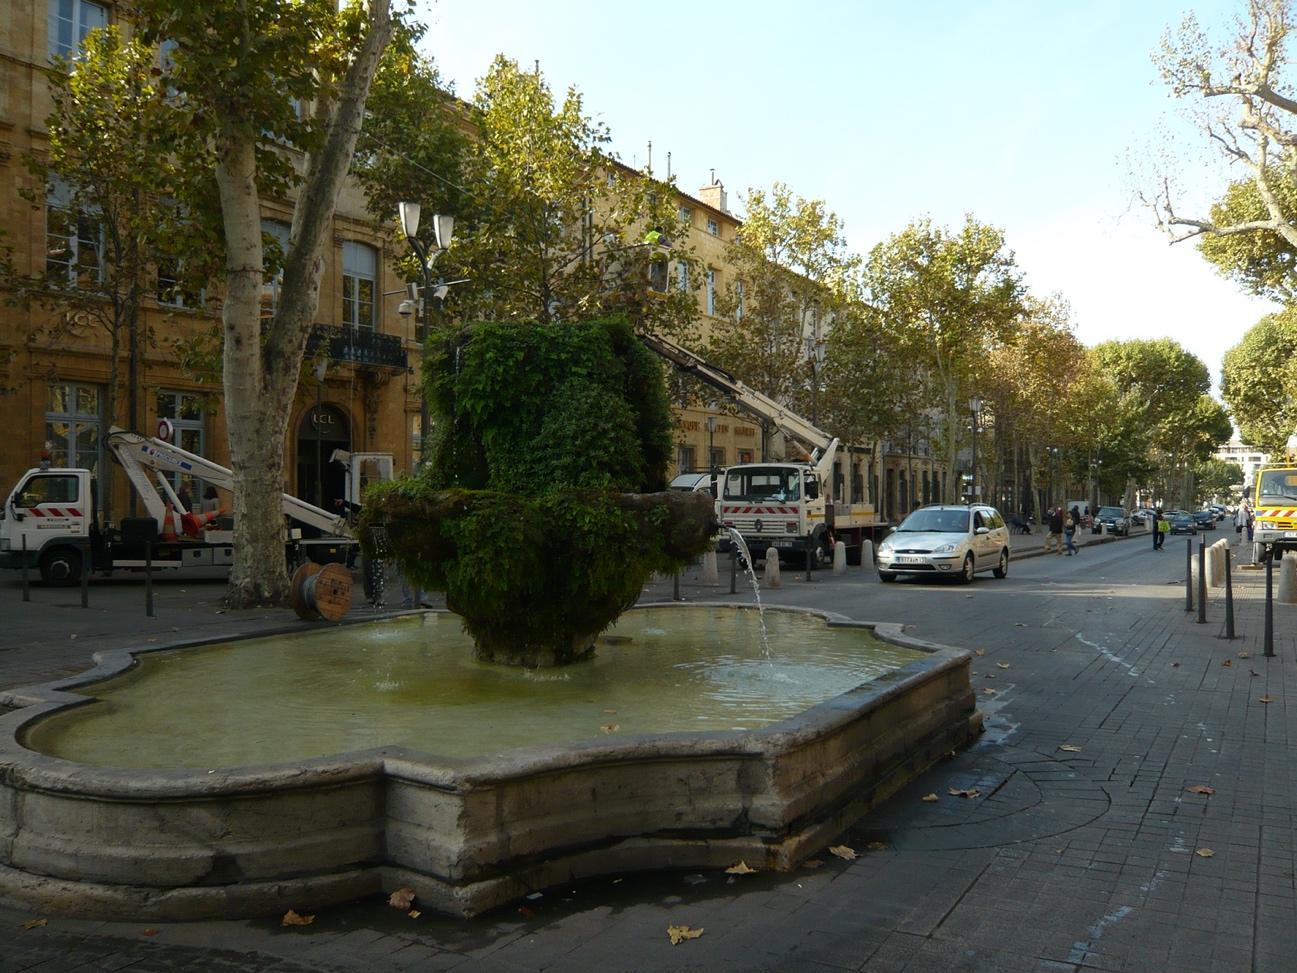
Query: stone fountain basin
x=466 y=834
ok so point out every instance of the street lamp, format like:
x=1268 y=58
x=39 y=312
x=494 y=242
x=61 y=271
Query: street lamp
x=711 y=440
x=443 y=227
x=975 y=408
x=321 y=368
x=815 y=354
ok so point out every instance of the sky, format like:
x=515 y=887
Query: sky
x=1041 y=118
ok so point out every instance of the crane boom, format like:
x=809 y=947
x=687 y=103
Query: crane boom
x=138 y=453
x=823 y=445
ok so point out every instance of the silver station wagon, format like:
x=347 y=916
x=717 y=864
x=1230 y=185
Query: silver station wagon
x=955 y=541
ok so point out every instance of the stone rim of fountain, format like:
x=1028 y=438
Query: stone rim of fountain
x=779 y=811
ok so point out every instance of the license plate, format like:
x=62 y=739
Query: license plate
x=908 y=560
x=1290 y=533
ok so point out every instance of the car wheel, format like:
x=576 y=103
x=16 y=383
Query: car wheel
x=61 y=566
x=966 y=575
x=886 y=576
x=1002 y=569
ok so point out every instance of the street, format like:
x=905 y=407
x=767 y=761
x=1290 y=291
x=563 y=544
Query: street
x=1082 y=847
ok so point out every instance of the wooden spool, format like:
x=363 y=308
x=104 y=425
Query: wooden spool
x=321 y=592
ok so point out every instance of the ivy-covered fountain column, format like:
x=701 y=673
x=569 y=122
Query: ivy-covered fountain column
x=542 y=509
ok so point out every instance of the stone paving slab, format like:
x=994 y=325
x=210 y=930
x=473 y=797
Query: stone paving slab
x=1067 y=860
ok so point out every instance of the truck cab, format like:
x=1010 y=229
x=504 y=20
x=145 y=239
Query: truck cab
x=777 y=505
x=1275 y=510
x=47 y=521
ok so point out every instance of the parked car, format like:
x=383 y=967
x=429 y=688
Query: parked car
x=1205 y=519
x=952 y=540
x=1181 y=522
x=688 y=482
x=1137 y=518
x=1115 y=519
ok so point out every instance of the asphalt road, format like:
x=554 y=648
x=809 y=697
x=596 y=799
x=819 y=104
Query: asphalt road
x=1081 y=859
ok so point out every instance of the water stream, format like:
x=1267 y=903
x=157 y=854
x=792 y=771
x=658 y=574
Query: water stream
x=756 y=588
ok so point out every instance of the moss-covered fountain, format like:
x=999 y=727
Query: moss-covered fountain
x=253 y=776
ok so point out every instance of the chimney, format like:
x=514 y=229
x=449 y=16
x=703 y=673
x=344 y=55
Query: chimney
x=714 y=195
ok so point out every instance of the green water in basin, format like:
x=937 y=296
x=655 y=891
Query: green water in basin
x=413 y=681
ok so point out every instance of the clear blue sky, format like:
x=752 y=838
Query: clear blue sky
x=1037 y=117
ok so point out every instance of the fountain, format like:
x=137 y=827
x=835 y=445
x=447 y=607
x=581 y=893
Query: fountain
x=536 y=745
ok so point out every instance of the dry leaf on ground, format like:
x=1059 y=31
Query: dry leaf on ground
x=989 y=675
x=843 y=852
x=1201 y=789
x=1245 y=655
x=877 y=846
x=1069 y=747
x=979 y=652
x=988 y=691
x=610 y=727
x=35 y=923
x=414 y=913
x=679 y=934
x=1227 y=663
x=1267 y=698
x=1003 y=665
x=401 y=899
x=931 y=798
x=1204 y=853
x=291 y=918
x=813 y=863
x=964 y=792
x=742 y=868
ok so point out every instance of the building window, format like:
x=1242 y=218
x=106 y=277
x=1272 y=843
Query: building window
x=73 y=418
x=274 y=242
x=711 y=291
x=172 y=289
x=685 y=214
x=185 y=411
x=658 y=276
x=713 y=228
x=70 y=21
x=717 y=457
x=685 y=459
x=738 y=301
x=359 y=284
x=73 y=240
x=682 y=277
x=746 y=456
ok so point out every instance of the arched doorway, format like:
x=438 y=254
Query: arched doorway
x=323 y=429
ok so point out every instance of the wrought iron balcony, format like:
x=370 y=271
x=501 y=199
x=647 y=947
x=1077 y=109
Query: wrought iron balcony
x=358 y=346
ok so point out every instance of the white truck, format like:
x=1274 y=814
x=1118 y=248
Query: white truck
x=50 y=519
x=798 y=508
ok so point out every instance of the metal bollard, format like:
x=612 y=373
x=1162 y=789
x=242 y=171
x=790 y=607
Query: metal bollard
x=148 y=580
x=27 y=594
x=85 y=575
x=1188 y=574
x=1202 y=581
x=1229 y=596
x=734 y=565
x=675 y=586
x=810 y=554
x=1269 y=607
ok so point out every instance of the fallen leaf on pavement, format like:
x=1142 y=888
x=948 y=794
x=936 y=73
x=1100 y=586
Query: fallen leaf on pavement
x=979 y=652
x=1003 y=665
x=414 y=913
x=989 y=675
x=73 y=635
x=1201 y=789
x=877 y=846
x=1227 y=663
x=679 y=934
x=291 y=918
x=1267 y=698
x=1020 y=624
x=1070 y=747
x=1175 y=665
x=401 y=899
x=930 y=798
x=1245 y=655
x=843 y=852
x=813 y=863
x=1204 y=853
x=148 y=932
x=35 y=923
x=610 y=727
x=988 y=691
x=742 y=868
x=964 y=792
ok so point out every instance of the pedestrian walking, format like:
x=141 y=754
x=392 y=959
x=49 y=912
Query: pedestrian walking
x=1070 y=522
x=1054 y=539
x=1251 y=519
x=1159 y=534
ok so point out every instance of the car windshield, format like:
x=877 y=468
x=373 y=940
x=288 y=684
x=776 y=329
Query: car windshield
x=936 y=520
x=1180 y=517
x=1280 y=484
x=1111 y=512
x=777 y=483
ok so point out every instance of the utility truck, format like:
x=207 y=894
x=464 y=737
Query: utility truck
x=1275 y=506
x=799 y=508
x=50 y=519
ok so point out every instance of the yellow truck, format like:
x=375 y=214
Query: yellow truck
x=1275 y=507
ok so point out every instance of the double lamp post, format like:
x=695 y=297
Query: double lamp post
x=443 y=227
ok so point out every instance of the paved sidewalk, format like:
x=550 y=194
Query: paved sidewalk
x=1090 y=858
